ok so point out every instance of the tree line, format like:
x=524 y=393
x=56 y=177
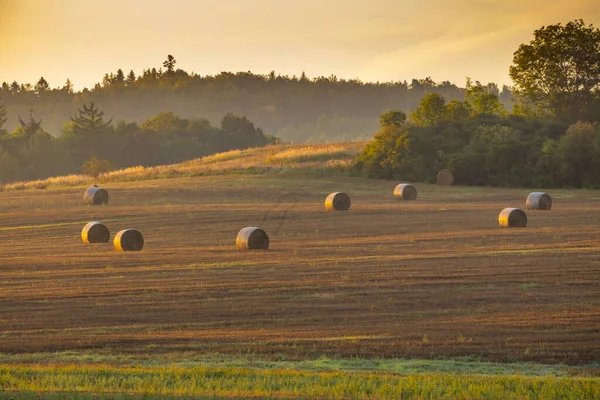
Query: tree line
x=90 y=143
x=550 y=138
x=297 y=108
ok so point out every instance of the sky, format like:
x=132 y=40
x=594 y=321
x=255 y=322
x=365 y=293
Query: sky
x=375 y=40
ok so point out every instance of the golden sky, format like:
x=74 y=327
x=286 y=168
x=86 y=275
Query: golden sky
x=372 y=40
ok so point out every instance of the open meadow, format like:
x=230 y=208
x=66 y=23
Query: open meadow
x=435 y=278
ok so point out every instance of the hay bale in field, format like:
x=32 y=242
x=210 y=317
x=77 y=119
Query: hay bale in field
x=445 y=177
x=95 y=196
x=95 y=232
x=129 y=240
x=405 y=191
x=252 y=238
x=539 y=201
x=337 y=201
x=512 y=218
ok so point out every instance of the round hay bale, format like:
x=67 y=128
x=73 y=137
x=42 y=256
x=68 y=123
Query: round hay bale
x=252 y=238
x=95 y=196
x=405 y=191
x=539 y=201
x=512 y=218
x=445 y=177
x=337 y=201
x=129 y=240
x=95 y=232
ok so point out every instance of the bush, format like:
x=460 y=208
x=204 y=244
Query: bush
x=579 y=153
x=95 y=166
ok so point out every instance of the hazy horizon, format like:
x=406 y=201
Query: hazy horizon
x=380 y=41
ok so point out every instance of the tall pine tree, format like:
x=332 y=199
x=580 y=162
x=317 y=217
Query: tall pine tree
x=31 y=126
x=41 y=86
x=130 y=77
x=90 y=120
x=169 y=64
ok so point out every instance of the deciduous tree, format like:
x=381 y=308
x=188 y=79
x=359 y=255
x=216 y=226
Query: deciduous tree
x=242 y=132
x=390 y=118
x=431 y=110
x=483 y=99
x=560 y=70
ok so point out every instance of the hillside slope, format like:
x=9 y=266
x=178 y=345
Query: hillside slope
x=319 y=160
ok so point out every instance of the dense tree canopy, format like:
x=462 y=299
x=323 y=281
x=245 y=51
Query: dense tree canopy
x=483 y=148
x=392 y=118
x=558 y=72
x=92 y=144
x=294 y=108
x=431 y=110
x=2 y=115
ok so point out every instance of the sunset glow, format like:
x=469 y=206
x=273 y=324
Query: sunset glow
x=379 y=40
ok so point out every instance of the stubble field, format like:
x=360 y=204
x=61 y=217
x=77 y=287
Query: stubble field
x=432 y=278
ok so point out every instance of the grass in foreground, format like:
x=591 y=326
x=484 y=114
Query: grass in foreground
x=27 y=381
x=192 y=359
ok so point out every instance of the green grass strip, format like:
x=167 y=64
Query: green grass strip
x=20 y=381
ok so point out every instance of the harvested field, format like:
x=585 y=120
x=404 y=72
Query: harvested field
x=428 y=279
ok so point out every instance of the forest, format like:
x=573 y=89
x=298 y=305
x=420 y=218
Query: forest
x=296 y=109
x=92 y=144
